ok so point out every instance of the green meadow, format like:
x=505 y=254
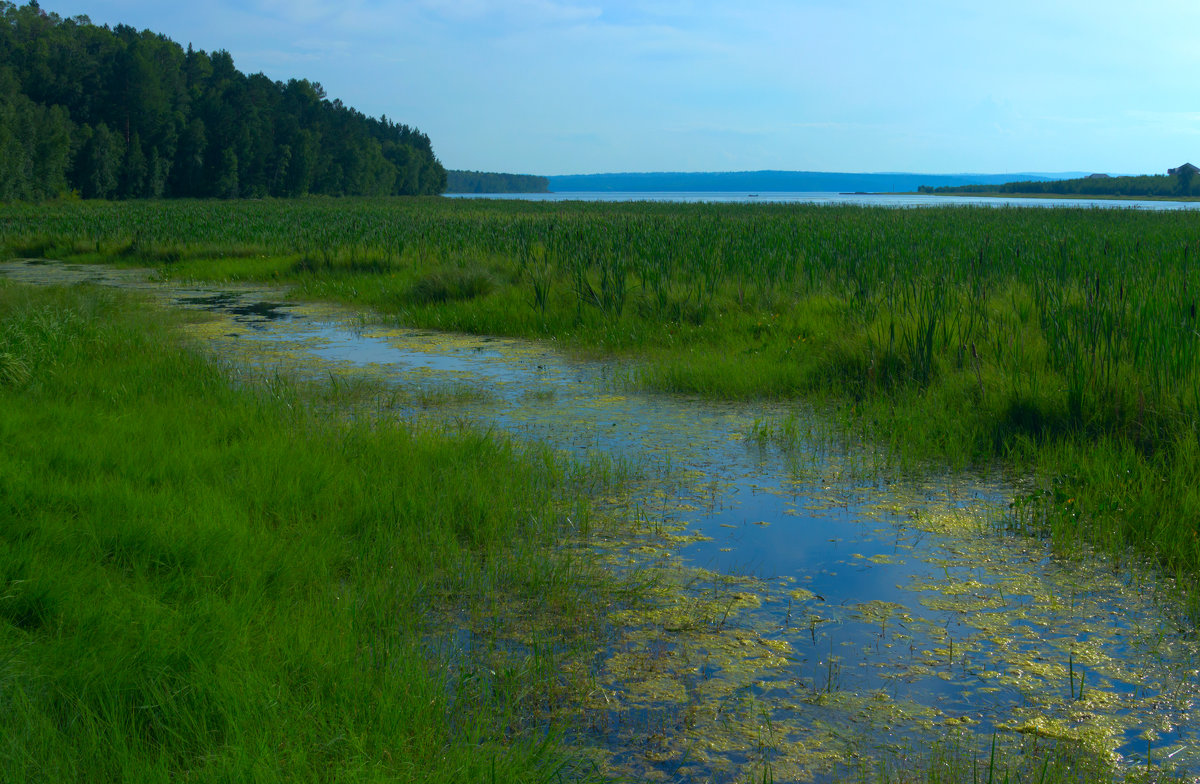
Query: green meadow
x=260 y=574
x=202 y=580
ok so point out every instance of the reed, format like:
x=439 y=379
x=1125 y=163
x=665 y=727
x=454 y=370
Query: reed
x=1065 y=339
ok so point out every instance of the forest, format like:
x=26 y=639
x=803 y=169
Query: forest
x=121 y=114
x=1176 y=184
x=492 y=182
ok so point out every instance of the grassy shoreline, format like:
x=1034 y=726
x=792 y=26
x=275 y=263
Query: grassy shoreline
x=202 y=580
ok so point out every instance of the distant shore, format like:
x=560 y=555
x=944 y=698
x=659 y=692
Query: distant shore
x=1075 y=196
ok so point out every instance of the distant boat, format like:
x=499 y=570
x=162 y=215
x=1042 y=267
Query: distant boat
x=752 y=196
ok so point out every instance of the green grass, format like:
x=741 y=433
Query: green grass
x=1061 y=340
x=201 y=581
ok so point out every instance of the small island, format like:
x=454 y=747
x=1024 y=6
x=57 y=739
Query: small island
x=1177 y=183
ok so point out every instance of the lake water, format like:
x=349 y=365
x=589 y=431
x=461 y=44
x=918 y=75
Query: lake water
x=855 y=199
x=813 y=605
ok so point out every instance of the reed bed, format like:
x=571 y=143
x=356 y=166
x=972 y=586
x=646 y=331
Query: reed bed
x=1064 y=340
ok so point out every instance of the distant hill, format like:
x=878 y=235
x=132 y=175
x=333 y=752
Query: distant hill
x=492 y=182
x=778 y=181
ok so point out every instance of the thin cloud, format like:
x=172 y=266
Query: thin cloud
x=517 y=12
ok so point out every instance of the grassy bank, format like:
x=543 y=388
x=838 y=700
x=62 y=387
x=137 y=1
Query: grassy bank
x=1059 y=339
x=202 y=581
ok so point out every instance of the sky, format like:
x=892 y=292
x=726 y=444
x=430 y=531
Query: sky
x=588 y=86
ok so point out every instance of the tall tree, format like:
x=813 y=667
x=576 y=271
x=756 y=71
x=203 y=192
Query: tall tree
x=101 y=159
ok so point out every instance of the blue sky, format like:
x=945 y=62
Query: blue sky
x=584 y=86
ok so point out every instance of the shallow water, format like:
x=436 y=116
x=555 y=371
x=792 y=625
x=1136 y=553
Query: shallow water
x=813 y=604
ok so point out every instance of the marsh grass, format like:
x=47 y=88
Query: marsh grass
x=1064 y=340
x=238 y=551
x=203 y=580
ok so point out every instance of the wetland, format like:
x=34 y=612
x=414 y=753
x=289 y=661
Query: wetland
x=465 y=489
x=806 y=607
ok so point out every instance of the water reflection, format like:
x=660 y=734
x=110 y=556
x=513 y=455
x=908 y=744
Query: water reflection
x=242 y=308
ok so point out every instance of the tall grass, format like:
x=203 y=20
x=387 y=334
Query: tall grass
x=201 y=581
x=1064 y=338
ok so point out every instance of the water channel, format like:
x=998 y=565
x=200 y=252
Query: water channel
x=823 y=607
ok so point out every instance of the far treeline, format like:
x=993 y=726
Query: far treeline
x=490 y=182
x=117 y=113
x=1177 y=183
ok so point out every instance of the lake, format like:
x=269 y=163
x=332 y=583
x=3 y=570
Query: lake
x=857 y=199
